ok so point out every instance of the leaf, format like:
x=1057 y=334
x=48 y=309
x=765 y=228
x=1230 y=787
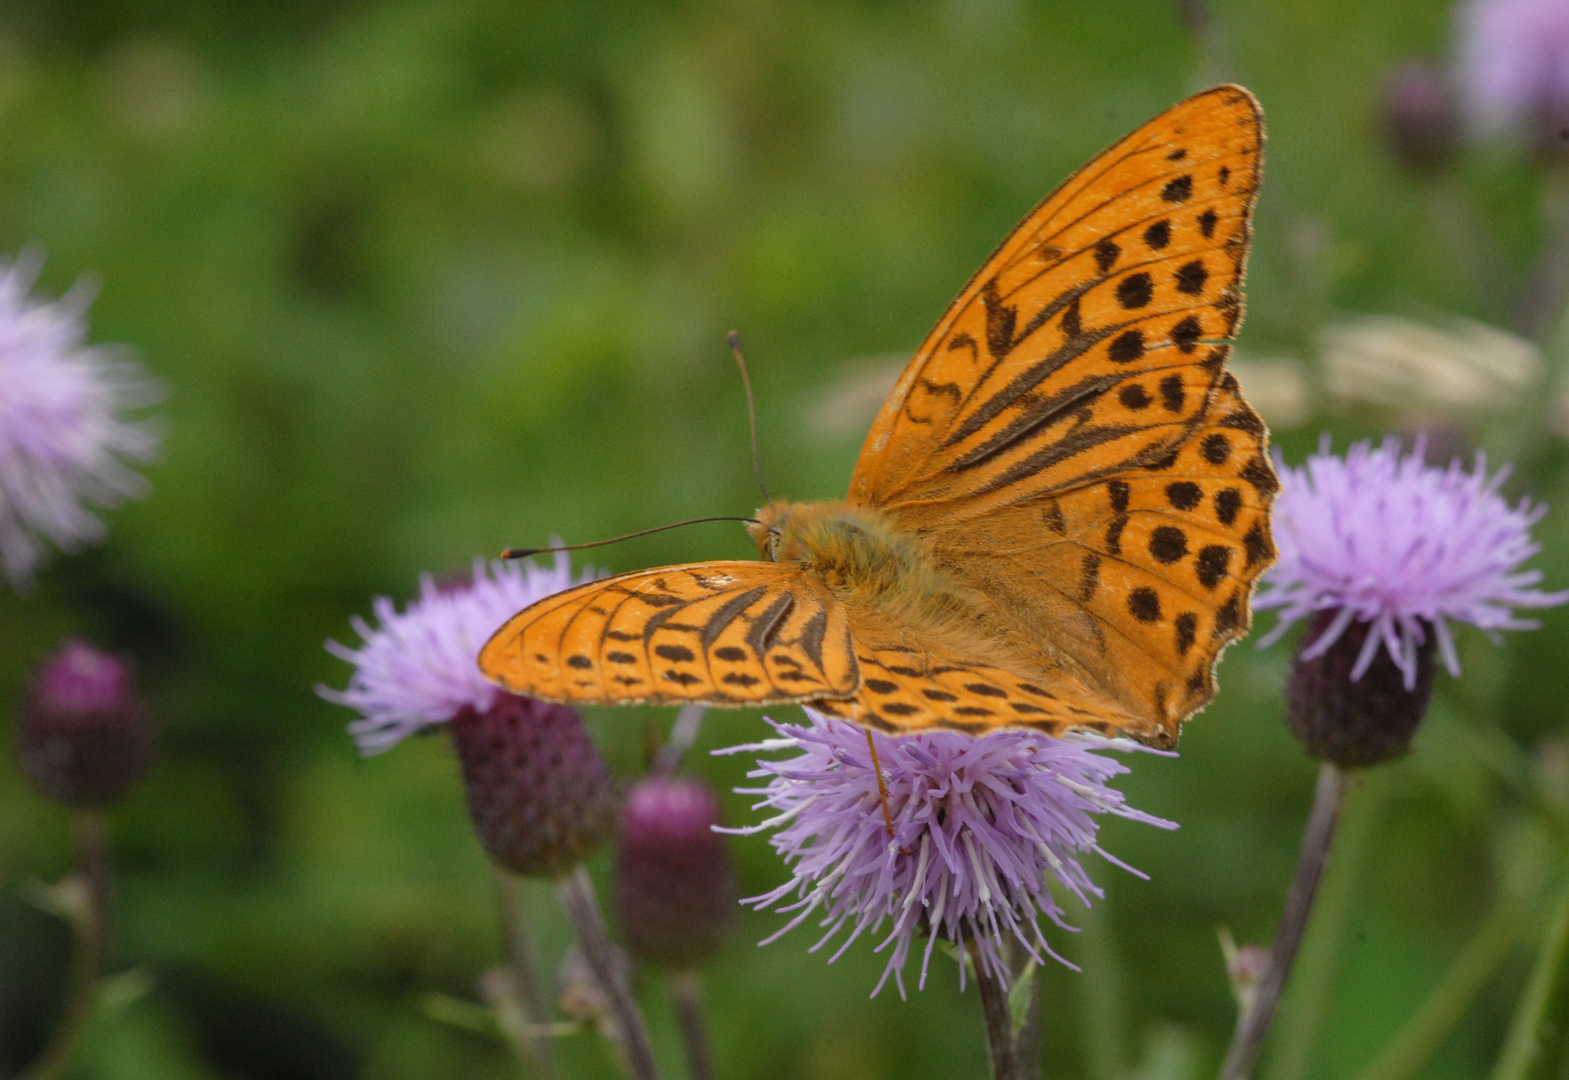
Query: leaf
x=1020 y=995
x=1537 y=1047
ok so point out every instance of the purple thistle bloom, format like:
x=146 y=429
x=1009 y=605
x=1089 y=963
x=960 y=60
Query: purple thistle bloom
x=64 y=440
x=1391 y=541
x=986 y=821
x=1514 y=60
x=420 y=666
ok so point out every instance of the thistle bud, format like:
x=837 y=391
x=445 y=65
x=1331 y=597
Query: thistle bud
x=1421 y=121
x=539 y=794
x=675 y=890
x=84 y=739
x=1355 y=722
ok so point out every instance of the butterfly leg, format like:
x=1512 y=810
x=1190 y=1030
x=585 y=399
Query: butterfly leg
x=882 y=789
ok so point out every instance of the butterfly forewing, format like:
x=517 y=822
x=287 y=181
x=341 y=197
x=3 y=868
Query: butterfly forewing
x=1138 y=582
x=719 y=633
x=1084 y=346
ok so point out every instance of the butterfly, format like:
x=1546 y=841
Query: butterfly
x=1056 y=521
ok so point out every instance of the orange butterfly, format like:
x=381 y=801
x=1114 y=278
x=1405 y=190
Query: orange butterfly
x=1056 y=520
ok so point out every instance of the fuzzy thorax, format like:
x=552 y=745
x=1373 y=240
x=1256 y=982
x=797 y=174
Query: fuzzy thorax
x=849 y=548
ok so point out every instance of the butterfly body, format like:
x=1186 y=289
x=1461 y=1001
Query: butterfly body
x=1055 y=522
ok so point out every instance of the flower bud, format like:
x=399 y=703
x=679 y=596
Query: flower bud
x=539 y=794
x=675 y=889
x=1354 y=722
x=84 y=739
x=1421 y=122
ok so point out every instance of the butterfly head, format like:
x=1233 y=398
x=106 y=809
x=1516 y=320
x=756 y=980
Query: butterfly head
x=767 y=530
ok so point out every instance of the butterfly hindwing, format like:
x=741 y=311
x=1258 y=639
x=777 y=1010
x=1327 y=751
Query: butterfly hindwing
x=719 y=633
x=1084 y=346
x=913 y=678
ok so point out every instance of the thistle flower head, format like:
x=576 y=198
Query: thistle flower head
x=419 y=667
x=84 y=735
x=986 y=822
x=675 y=889
x=64 y=438
x=1381 y=538
x=539 y=795
x=1421 y=123
x=1514 y=61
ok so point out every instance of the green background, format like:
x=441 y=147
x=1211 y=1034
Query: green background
x=426 y=278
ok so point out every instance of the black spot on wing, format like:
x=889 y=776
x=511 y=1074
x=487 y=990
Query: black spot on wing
x=1184 y=494
x=1178 y=190
x=1185 y=335
x=1257 y=545
x=1089 y=577
x=1106 y=254
x=1127 y=346
x=1134 y=397
x=1191 y=277
x=1212 y=563
x=1168 y=544
x=1144 y=605
x=1228 y=502
x=1119 y=493
x=1135 y=291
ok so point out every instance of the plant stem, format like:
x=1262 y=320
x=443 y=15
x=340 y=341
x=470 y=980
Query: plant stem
x=523 y=964
x=1004 y=1050
x=1253 y=1026
x=687 y=992
x=85 y=900
x=1538 y=1042
x=577 y=896
x=1028 y=1037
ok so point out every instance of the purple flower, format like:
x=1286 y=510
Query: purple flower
x=84 y=737
x=420 y=666
x=675 y=893
x=1514 y=60
x=1391 y=541
x=64 y=440
x=986 y=821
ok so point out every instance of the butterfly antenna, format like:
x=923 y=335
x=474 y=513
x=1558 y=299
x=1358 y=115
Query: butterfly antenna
x=751 y=409
x=523 y=553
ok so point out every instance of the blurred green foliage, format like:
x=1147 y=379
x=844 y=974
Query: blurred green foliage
x=426 y=278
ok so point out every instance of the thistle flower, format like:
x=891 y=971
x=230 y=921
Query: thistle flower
x=1514 y=64
x=675 y=889
x=986 y=822
x=1420 y=121
x=64 y=439
x=539 y=794
x=84 y=736
x=1392 y=541
x=420 y=666
x=1380 y=552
